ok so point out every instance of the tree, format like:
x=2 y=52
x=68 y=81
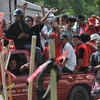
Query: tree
x=72 y=7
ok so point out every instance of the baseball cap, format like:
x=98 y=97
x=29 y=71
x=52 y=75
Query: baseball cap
x=63 y=36
x=91 y=21
x=94 y=37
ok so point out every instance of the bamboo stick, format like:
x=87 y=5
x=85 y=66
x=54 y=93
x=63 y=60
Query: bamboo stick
x=30 y=86
x=52 y=72
x=10 y=88
x=3 y=78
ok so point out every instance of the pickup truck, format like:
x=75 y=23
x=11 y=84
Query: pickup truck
x=76 y=86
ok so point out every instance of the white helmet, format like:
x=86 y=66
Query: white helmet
x=94 y=36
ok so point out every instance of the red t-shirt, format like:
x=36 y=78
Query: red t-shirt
x=90 y=32
x=85 y=56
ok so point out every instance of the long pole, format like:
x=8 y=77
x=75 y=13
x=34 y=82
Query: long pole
x=53 y=79
x=30 y=86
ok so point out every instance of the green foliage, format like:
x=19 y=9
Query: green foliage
x=72 y=7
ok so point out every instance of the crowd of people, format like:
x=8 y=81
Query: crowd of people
x=81 y=43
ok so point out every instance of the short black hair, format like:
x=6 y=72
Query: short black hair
x=76 y=36
x=80 y=17
x=85 y=37
x=71 y=19
x=64 y=16
x=29 y=17
x=64 y=36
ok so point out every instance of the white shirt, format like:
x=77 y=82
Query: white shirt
x=1 y=98
x=71 y=63
x=44 y=29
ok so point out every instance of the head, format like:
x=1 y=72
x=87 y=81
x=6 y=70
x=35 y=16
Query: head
x=18 y=15
x=54 y=24
x=37 y=18
x=63 y=19
x=94 y=37
x=85 y=37
x=29 y=21
x=71 y=21
x=80 y=20
x=76 y=39
x=91 y=22
x=98 y=44
x=64 y=39
x=12 y=64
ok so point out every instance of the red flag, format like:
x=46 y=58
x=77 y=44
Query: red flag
x=38 y=71
x=12 y=75
x=44 y=65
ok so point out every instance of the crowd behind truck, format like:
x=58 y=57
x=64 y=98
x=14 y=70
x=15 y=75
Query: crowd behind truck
x=82 y=43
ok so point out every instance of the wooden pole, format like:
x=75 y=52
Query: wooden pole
x=53 y=82
x=30 y=86
x=2 y=73
x=3 y=78
x=10 y=88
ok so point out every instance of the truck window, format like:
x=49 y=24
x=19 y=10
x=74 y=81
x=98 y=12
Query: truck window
x=15 y=62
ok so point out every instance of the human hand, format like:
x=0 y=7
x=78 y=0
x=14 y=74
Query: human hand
x=53 y=10
x=25 y=5
x=75 y=71
x=21 y=35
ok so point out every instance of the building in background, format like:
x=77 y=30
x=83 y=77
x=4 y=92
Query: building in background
x=8 y=7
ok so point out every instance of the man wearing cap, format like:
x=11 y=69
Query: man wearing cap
x=91 y=28
x=81 y=23
x=69 y=63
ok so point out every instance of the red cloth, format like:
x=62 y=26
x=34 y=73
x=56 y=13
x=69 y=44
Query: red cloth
x=45 y=52
x=90 y=32
x=86 y=56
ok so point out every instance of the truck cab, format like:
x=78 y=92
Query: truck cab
x=76 y=86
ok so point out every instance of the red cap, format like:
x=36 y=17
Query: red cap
x=54 y=35
x=91 y=21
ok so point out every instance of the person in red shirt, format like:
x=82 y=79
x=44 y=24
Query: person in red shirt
x=81 y=54
x=81 y=23
x=85 y=38
x=90 y=29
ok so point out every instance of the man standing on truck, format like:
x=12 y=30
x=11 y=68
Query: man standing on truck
x=81 y=53
x=18 y=32
x=69 y=63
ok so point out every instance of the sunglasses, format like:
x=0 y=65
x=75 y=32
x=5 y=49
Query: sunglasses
x=27 y=20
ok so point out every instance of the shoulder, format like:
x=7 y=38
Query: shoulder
x=73 y=30
x=68 y=46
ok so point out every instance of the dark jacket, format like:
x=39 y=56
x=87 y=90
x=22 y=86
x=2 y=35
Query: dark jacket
x=14 y=31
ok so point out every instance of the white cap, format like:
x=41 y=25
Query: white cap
x=94 y=36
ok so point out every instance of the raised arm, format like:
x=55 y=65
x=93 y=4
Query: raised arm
x=46 y=16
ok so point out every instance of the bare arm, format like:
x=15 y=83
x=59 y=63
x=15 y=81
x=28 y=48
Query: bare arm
x=24 y=7
x=46 y=16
